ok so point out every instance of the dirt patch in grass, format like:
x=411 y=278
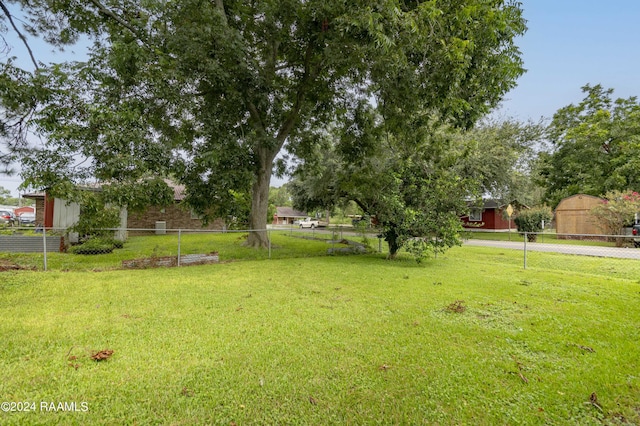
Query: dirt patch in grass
x=6 y=265
x=457 y=307
x=170 y=261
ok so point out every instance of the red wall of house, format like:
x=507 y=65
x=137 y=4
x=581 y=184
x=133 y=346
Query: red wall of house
x=492 y=219
x=48 y=211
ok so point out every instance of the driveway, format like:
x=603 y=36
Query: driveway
x=622 y=253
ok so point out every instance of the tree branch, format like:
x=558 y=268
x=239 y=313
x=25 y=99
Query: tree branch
x=110 y=14
x=310 y=73
x=255 y=115
x=22 y=37
x=220 y=5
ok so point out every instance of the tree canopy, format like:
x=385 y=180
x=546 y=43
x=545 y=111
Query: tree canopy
x=210 y=92
x=406 y=178
x=596 y=147
x=501 y=156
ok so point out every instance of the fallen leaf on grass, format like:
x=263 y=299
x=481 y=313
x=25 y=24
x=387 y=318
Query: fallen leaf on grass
x=102 y=355
x=524 y=379
x=312 y=400
x=593 y=400
x=582 y=347
x=384 y=367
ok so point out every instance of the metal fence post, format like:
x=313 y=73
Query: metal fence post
x=525 y=250
x=179 y=240
x=44 y=246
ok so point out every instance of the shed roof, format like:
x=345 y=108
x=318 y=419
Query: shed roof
x=578 y=202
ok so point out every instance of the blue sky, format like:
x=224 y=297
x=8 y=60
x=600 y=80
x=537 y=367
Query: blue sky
x=569 y=43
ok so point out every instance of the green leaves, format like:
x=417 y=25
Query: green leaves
x=617 y=210
x=530 y=220
x=596 y=146
x=211 y=92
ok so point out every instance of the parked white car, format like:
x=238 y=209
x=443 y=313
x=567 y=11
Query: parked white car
x=309 y=223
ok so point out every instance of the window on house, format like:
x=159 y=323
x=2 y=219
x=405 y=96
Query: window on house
x=475 y=215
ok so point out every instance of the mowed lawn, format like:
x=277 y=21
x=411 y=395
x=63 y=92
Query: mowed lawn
x=468 y=338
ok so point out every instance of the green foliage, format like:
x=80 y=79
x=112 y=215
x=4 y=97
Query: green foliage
x=212 y=91
x=530 y=220
x=596 y=145
x=139 y=195
x=97 y=245
x=406 y=180
x=278 y=197
x=97 y=218
x=616 y=211
x=501 y=156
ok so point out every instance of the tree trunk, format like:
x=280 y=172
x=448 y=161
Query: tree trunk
x=391 y=237
x=258 y=236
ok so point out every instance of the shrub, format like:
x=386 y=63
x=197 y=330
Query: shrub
x=616 y=211
x=530 y=221
x=97 y=219
x=97 y=246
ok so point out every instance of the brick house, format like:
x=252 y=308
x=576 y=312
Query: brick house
x=287 y=215
x=175 y=216
x=59 y=214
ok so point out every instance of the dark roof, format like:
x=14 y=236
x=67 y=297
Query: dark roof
x=492 y=203
x=34 y=195
x=289 y=212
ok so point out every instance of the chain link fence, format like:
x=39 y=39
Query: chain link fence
x=42 y=249
x=625 y=246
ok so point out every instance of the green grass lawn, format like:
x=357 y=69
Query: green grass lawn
x=468 y=338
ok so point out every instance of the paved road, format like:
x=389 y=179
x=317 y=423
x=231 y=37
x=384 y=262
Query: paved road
x=623 y=253
x=597 y=251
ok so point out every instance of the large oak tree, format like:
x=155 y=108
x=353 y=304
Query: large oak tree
x=211 y=91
